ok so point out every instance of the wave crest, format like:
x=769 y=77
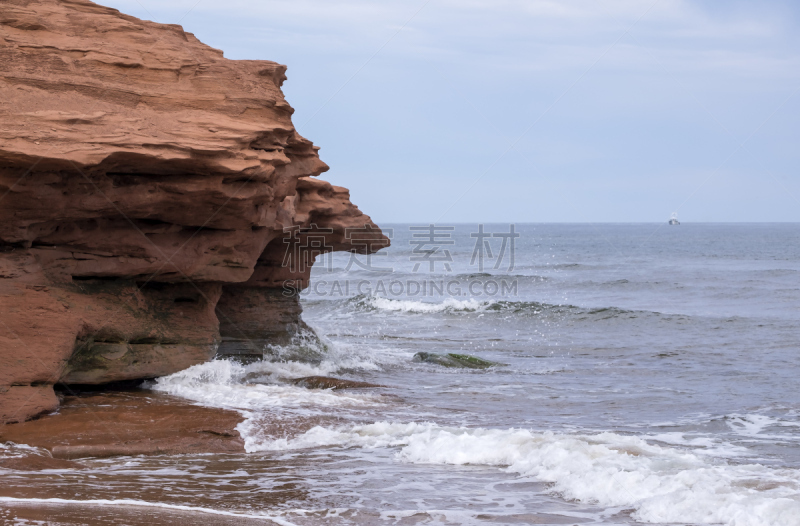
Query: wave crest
x=662 y=484
x=366 y=303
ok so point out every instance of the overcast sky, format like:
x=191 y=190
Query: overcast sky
x=533 y=111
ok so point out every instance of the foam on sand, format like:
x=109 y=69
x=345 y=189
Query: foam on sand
x=141 y=503
x=662 y=484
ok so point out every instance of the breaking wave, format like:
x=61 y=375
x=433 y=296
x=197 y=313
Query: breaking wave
x=419 y=307
x=661 y=484
x=257 y=386
x=365 y=303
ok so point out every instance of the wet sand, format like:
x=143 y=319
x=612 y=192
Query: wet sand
x=60 y=472
x=73 y=514
x=117 y=423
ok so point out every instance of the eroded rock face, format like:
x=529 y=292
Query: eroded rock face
x=149 y=188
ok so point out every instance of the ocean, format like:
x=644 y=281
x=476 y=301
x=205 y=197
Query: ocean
x=641 y=374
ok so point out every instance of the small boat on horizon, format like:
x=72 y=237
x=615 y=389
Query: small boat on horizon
x=673 y=220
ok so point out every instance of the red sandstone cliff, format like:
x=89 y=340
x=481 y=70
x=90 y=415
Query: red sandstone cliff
x=149 y=190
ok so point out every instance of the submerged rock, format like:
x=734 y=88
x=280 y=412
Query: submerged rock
x=455 y=360
x=326 y=382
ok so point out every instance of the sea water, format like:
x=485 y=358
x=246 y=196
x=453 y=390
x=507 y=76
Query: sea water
x=646 y=374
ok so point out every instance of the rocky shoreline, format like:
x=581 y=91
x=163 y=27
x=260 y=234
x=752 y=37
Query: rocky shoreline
x=156 y=203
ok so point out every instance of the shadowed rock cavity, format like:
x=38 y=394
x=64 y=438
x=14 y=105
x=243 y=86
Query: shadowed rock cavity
x=157 y=205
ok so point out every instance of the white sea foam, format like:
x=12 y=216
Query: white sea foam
x=142 y=503
x=14 y=450
x=701 y=445
x=13 y=447
x=663 y=484
x=423 y=307
x=760 y=427
x=222 y=383
x=751 y=424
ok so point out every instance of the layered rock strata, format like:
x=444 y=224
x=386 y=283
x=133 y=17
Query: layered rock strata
x=155 y=202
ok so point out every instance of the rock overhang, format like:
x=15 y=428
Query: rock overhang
x=146 y=183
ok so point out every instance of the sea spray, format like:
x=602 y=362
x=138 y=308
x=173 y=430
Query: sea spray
x=222 y=383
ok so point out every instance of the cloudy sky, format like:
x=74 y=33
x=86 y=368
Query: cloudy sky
x=533 y=110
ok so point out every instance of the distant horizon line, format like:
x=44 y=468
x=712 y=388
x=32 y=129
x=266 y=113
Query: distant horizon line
x=682 y=223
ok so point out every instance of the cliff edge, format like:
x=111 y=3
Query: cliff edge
x=156 y=202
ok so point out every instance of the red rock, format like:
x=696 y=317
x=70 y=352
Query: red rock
x=129 y=423
x=149 y=188
x=18 y=402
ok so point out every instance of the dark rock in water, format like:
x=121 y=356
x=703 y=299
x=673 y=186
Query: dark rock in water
x=455 y=360
x=325 y=382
